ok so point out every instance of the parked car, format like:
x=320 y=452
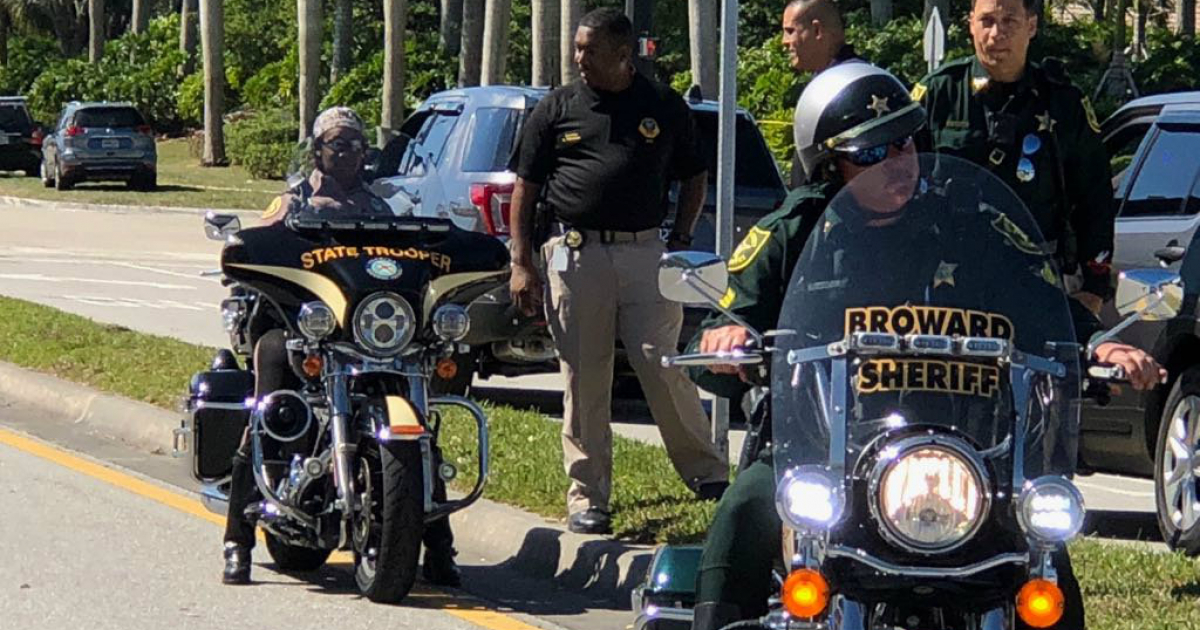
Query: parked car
x=100 y=142
x=20 y=137
x=454 y=164
x=1154 y=143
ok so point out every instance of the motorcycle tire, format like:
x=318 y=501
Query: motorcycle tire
x=398 y=502
x=1181 y=421
x=294 y=558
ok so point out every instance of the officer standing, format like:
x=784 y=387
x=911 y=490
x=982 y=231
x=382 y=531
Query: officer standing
x=1036 y=132
x=601 y=153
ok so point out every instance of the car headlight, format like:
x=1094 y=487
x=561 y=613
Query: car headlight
x=451 y=322
x=808 y=498
x=1051 y=509
x=316 y=321
x=928 y=496
x=384 y=323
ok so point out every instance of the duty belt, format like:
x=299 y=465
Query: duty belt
x=576 y=237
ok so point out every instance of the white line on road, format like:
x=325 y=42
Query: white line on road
x=100 y=300
x=37 y=277
x=1128 y=493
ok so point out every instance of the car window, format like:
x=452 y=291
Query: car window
x=109 y=117
x=14 y=118
x=428 y=145
x=493 y=131
x=1166 y=176
x=1122 y=146
x=755 y=165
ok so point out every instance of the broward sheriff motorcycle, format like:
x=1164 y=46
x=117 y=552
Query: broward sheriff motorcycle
x=923 y=446
x=373 y=306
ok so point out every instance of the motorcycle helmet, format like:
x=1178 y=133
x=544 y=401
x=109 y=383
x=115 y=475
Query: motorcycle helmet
x=848 y=108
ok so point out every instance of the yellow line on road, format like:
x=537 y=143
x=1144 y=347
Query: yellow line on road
x=463 y=607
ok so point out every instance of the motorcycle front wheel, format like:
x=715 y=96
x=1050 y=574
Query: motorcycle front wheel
x=294 y=558
x=388 y=529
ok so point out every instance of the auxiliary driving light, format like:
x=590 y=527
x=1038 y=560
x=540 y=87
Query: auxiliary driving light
x=1051 y=509
x=316 y=320
x=808 y=499
x=451 y=322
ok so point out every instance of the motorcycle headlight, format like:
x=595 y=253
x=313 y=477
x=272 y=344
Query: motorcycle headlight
x=451 y=322
x=928 y=497
x=808 y=499
x=316 y=321
x=232 y=312
x=384 y=323
x=1051 y=509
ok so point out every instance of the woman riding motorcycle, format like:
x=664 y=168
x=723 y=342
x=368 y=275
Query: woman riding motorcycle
x=335 y=186
x=869 y=105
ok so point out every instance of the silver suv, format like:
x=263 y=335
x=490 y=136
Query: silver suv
x=100 y=142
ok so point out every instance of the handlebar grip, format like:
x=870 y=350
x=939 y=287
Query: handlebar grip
x=1107 y=372
x=736 y=357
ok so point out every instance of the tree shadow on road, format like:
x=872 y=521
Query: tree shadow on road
x=1140 y=526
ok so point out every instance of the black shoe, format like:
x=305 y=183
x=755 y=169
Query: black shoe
x=593 y=521
x=712 y=491
x=237 y=564
x=440 y=569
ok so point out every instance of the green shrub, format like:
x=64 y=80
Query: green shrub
x=28 y=56
x=276 y=85
x=263 y=143
x=1171 y=63
x=189 y=106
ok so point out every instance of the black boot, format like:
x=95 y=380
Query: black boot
x=439 y=567
x=237 y=564
x=715 y=615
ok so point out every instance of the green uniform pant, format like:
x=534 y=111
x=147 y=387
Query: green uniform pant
x=743 y=544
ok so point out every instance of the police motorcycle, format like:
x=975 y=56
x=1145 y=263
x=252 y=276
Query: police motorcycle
x=924 y=401
x=374 y=307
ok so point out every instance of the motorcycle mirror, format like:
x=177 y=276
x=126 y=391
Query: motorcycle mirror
x=1152 y=294
x=218 y=226
x=693 y=278
x=371 y=164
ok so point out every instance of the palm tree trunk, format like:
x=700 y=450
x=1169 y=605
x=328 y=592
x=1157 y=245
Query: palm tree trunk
x=497 y=18
x=450 y=28
x=5 y=23
x=881 y=12
x=545 y=42
x=95 y=30
x=702 y=27
x=308 y=13
x=212 y=33
x=395 y=25
x=141 y=16
x=571 y=13
x=1186 y=17
x=187 y=35
x=343 y=39
x=470 y=62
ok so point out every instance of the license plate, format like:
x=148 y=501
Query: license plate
x=110 y=144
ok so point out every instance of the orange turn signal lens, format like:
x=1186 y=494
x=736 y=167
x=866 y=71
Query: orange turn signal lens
x=805 y=593
x=447 y=369
x=312 y=365
x=1040 y=603
x=406 y=429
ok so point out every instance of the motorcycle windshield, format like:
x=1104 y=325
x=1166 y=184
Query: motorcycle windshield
x=889 y=329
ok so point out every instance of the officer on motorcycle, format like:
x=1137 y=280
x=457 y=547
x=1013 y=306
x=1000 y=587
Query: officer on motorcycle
x=734 y=581
x=335 y=186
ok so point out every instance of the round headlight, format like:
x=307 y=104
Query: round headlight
x=1051 y=509
x=451 y=322
x=808 y=499
x=384 y=324
x=929 y=497
x=316 y=321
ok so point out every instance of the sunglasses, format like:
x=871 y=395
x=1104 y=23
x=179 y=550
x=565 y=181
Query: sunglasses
x=338 y=145
x=871 y=156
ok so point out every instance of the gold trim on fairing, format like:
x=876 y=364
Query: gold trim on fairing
x=402 y=417
x=327 y=290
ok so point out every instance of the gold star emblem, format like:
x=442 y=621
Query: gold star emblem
x=573 y=238
x=944 y=274
x=879 y=105
x=1046 y=123
x=978 y=84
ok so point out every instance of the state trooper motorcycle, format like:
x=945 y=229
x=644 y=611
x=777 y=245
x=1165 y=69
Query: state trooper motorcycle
x=923 y=447
x=374 y=307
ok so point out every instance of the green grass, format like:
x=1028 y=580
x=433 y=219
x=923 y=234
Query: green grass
x=182 y=182
x=1129 y=588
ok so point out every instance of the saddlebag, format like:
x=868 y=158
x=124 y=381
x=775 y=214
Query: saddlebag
x=665 y=599
x=219 y=415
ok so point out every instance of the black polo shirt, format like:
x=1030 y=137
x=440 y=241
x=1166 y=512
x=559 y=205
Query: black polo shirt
x=607 y=159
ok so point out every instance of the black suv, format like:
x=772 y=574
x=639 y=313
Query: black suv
x=20 y=137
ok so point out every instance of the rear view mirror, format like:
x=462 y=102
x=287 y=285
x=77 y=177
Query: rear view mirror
x=1153 y=294
x=693 y=278
x=218 y=226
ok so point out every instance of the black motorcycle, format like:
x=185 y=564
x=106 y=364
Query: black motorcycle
x=374 y=308
x=925 y=386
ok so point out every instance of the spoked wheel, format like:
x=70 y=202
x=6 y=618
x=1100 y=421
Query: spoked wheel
x=387 y=531
x=1177 y=465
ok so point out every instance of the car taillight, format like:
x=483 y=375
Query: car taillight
x=145 y=130
x=36 y=137
x=74 y=131
x=494 y=203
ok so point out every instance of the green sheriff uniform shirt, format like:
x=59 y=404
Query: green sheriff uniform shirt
x=1040 y=136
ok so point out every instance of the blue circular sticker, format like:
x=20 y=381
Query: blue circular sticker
x=383 y=269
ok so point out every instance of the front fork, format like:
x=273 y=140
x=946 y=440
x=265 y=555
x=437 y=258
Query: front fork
x=341 y=415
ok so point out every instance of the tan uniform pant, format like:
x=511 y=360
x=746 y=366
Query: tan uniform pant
x=596 y=292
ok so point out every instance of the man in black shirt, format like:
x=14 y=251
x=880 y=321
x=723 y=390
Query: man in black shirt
x=602 y=153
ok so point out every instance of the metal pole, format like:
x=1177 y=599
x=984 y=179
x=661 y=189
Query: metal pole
x=726 y=143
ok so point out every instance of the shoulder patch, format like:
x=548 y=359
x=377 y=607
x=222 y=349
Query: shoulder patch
x=274 y=208
x=1015 y=236
x=749 y=249
x=1090 y=114
x=918 y=91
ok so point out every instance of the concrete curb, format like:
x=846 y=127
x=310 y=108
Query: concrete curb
x=96 y=207
x=602 y=570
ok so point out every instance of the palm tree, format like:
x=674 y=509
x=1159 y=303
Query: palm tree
x=395 y=25
x=881 y=12
x=212 y=34
x=702 y=26
x=67 y=19
x=545 y=42
x=495 y=41
x=343 y=39
x=187 y=34
x=140 y=17
x=470 y=61
x=450 y=28
x=572 y=12
x=95 y=30
x=1185 y=17
x=308 y=14
x=5 y=23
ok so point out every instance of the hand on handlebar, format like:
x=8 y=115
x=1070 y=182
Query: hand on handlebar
x=725 y=339
x=1140 y=368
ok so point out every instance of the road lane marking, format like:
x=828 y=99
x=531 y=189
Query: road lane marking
x=1141 y=494
x=463 y=607
x=38 y=277
x=126 y=302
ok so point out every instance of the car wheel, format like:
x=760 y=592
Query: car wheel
x=47 y=175
x=1176 y=462
x=60 y=181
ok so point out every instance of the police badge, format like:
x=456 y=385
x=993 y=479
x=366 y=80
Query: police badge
x=649 y=129
x=573 y=238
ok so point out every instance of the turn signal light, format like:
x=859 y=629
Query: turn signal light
x=805 y=593
x=406 y=429
x=312 y=366
x=1040 y=603
x=447 y=369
